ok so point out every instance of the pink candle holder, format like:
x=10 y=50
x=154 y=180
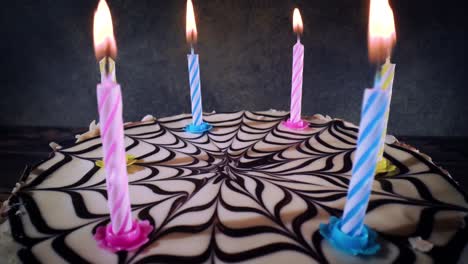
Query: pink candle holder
x=300 y=125
x=128 y=241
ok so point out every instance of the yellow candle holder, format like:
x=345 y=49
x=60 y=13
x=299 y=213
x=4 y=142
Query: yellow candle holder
x=385 y=166
x=129 y=157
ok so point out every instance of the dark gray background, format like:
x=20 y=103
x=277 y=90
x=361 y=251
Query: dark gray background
x=48 y=71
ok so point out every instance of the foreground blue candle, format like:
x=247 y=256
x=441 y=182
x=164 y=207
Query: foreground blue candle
x=349 y=233
x=370 y=139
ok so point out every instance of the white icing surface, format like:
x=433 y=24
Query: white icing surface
x=249 y=191
x=8 y=248
x=420 y=244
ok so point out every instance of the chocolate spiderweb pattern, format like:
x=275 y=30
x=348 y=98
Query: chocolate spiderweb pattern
x=249 y=190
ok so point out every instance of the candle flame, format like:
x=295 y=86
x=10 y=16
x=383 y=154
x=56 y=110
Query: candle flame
x=382 y=36
x=191 y=26
x=297 y=22
x=103 y=32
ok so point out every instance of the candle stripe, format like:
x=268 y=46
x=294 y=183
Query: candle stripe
x=296 y=82
x=355 y=189
x=197 y=110
x=356 y=231
x=110 y=152
x=369 y=103
x=195 y=92
x=113 y=146
x=194 y=77
x=192 y=60
x=298 y=56
x=389 y=80
x=386 y=83
x=372 y=125
x=111 y=117
x=117 y=203
x=385 y=79
x=103 y=99
x=354 y=216
x=368 y=144
x=297 y=85
x=119 y=198
x=127 y=219
x=195 y=89
x=357 y=208
x=297 y=91
x=359 y=221
x=364 y=157
x=294 y=105
x=196 y=99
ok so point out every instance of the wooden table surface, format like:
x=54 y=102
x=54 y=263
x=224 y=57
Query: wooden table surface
x=21 y=146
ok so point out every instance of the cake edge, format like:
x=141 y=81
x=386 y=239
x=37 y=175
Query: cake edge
x=8 y=209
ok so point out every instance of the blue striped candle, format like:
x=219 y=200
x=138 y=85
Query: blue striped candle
x=349 y=233
x=197 y=125
x=371 y=127
x=195 y=89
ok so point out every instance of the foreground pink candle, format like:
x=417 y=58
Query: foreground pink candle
x=295 y=121
x=113 y=146
x=122 y=233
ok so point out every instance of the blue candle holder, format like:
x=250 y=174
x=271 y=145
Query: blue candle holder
x=362 y=244
x=203 y=127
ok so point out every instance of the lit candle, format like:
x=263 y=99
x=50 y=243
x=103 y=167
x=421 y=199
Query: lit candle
x=295 y=121
x=122 y=233
x=197 y=126
x=382 y=38
x=349 y=233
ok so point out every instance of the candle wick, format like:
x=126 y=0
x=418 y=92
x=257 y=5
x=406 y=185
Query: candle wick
x=106 y=65
x=298 y=38
x=191 y=48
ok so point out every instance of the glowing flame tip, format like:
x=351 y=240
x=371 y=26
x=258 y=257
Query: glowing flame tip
x=103 y=32
x=382 y=36
x=190 y=26
x=297 y=22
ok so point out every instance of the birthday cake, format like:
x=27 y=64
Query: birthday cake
x=250 y=190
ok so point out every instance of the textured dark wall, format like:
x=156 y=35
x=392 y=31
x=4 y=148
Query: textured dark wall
x=49 y=74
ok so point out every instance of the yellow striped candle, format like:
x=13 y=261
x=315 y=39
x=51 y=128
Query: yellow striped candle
x=382 y=37
x=386 y=83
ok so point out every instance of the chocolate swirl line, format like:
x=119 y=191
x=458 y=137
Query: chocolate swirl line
x=248 y=189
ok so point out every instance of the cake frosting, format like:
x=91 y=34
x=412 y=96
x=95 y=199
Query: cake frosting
x=250 y=190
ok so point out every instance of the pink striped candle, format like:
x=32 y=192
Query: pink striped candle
x=296 y=85
x=295 y=121
x=123 y=233
x=113 y=146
